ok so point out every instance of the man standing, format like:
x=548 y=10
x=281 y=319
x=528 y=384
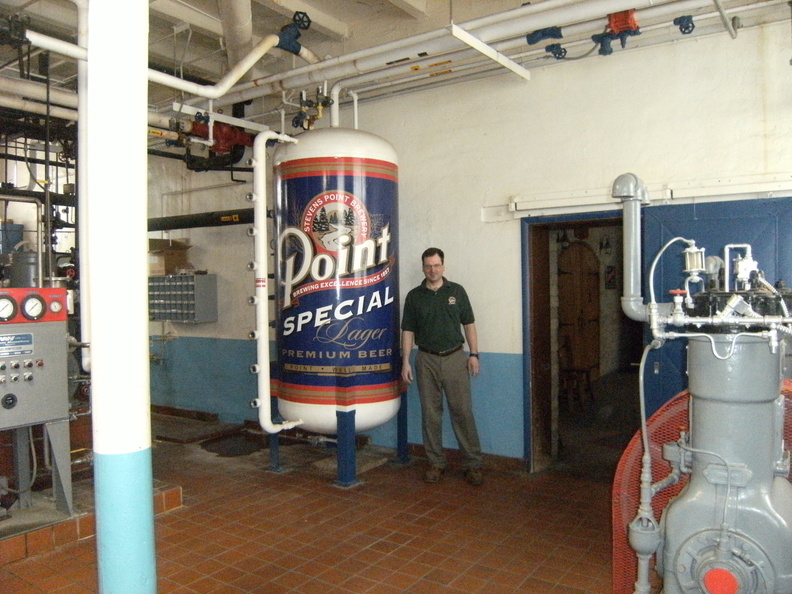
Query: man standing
x=435 y=313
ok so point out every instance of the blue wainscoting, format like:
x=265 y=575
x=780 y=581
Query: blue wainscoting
x=212 y=375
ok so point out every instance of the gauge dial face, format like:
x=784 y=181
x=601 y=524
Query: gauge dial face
x=33 y=307
x=8 y=308
x=56 y=307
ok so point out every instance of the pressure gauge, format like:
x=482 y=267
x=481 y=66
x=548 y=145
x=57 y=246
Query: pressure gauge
x=33 y=307
x=8 y=308
x=56 y=307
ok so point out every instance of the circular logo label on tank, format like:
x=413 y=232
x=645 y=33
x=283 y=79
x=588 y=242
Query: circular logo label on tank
x=335 y=220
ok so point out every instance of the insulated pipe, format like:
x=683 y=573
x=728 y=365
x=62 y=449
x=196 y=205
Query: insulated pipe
x=261 y=299
x=38 y=108
x=225 y=83
x=504 y=25
x=582 y=28
x=34 y=90
x=207 y=91
x=632 y=193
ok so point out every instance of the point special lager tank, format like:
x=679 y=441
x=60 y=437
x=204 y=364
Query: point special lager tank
x=337 y=294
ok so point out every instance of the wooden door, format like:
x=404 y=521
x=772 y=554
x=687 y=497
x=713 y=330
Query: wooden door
x=578 y=324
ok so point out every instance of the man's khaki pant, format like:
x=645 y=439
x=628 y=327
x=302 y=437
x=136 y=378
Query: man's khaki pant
x=437 y=375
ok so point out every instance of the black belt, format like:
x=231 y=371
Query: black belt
x=441 y=353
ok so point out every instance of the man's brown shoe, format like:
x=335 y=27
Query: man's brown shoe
x=433 y=475
x=474 y=477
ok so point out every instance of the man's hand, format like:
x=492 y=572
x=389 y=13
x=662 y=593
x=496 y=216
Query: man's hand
x=407 y=374
x=473 y=366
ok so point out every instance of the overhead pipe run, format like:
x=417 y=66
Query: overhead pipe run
x=506 y=25
x=287 y=40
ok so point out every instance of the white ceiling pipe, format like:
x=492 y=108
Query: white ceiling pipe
x=225 y=83
x=513 y=23
x=63 y=48
x=35 y=90
x=38 y=108
x=571 y=31
x=393 y=50
x=260 y=272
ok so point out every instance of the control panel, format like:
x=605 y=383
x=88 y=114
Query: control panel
x=33 y=356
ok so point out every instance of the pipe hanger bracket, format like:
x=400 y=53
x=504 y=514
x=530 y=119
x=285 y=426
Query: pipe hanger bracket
x=489 y=51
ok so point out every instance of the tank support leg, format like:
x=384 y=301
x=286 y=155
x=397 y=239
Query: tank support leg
x=402 y=449
x=346 y=449
x=274 y=440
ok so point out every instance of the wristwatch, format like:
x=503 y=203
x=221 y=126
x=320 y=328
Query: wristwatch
x=476 y=355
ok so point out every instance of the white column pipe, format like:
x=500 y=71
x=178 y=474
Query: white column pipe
x=82 y=186
x=261 y=299
x=504 y=25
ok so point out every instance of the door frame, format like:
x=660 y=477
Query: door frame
x=534 y=234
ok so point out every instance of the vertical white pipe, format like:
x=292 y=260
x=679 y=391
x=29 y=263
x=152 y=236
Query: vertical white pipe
x=82 y=186
x=261 y=255
x=117 y=173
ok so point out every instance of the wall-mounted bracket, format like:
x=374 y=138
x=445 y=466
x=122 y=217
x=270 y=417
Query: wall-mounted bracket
x=490 y=52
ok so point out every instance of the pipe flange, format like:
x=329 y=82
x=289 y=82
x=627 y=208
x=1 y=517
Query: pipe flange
x=703 y=559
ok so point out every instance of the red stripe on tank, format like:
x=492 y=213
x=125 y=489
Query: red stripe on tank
x=335 y=395
x=330 y=166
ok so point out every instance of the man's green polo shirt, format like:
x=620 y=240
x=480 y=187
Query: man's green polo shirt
x=436 y=317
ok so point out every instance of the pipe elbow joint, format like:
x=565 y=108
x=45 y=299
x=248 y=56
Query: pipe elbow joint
x=628 y=186
x=634 y=308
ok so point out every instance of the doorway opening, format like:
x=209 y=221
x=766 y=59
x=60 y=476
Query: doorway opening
x=584 y=350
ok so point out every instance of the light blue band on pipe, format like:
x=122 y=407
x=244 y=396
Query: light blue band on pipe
x=124 y=494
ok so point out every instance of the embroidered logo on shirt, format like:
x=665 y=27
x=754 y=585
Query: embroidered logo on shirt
x=452 y=301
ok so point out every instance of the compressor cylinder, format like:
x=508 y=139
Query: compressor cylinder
x=336 y=219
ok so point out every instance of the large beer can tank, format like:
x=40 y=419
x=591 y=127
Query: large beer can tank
x=336 y=218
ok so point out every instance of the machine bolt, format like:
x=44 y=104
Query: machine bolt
x=254 y=368
x=251 y=231
x=250 y=196
x=252 y=300
x=252 y=265
x=252 y=335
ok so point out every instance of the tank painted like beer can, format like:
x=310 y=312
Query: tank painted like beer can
x=336 y=219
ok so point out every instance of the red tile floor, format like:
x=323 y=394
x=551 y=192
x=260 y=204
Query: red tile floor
x=243 y=528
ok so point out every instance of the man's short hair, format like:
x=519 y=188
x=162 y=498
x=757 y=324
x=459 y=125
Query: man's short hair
x=433 y=251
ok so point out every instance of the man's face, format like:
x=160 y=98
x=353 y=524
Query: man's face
x=433 y=268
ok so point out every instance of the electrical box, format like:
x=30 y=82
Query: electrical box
x=33 y=353
x=187 y=298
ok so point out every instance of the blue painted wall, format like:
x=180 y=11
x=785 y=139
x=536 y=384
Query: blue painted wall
x=212 y=375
